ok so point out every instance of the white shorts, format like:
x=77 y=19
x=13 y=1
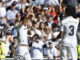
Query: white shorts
x=67 y=51
x=22 y=53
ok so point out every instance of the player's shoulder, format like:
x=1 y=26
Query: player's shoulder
x=76 y=20
x=67 y=19
x=63 y=21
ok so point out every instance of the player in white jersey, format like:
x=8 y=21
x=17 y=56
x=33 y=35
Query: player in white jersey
x=22 y=52
x=68 y=34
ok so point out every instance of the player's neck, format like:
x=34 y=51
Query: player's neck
x=69 y=16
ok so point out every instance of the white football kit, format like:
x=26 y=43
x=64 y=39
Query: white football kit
x=22 y=52
x=69 y=43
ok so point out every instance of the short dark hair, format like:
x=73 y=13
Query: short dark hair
x=70 y=11
x=50 y=43
x=14 y=37
x=27 y=7
x=37 y=36
x=14 y=3
x=34 y=23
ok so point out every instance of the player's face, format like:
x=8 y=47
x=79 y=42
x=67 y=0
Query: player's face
x=25 y=22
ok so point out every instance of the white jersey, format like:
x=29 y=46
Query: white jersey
x=23 y=35
x=69 y=26
x=22 y=52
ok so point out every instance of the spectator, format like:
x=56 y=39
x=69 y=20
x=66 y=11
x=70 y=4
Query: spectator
x=2 y=11
x=45 y=11
x=37 y=46
x=13 y=47
x=62 y=12
x=21 y=5
x=34 y=2
x=49 y=35
x=52 y=52
x=28 y=3
x=17 y=22
x=3 y=21
x=41 y=2
x=39 y=19
x=49 y=21
x=8 y=2
x=27 y=9
x=11 y=14
x=55 y=30
x=2 y=44
x=54 y=14
x=18 y=17
x=2 y=37
x=42 y=29
x=8 y=41
x=35 y=30
x=56 y=2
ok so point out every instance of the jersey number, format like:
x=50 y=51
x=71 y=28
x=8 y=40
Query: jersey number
x=71 y=27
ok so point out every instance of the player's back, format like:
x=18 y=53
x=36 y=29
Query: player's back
x=70 y=25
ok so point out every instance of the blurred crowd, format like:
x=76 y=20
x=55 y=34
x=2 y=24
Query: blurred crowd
x=43 y=23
